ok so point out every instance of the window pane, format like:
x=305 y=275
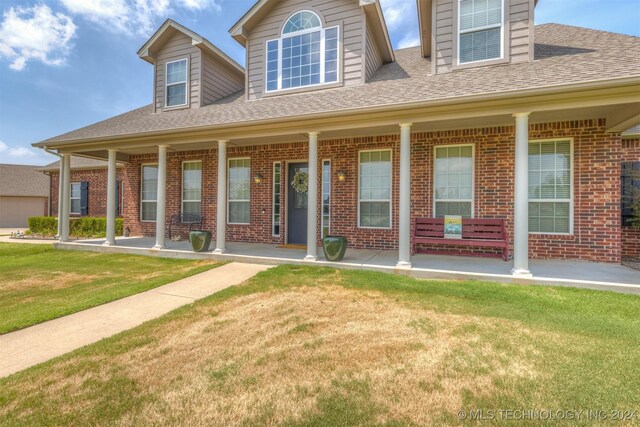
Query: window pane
x=326 y=197
x=375 y=214
x=149 y=182
x=148 y=211
x=176 y=94
x=277 y=168
x=549 y=179
x=239 y=212
x=75 y=190
x=301 y=60
x=191 y=207
x=454 y=181
x=177 y=72
x=75 y=206
x=480 y=45
x=239 y=190
x=479 y=13
x=192 y=184
x=301 y=21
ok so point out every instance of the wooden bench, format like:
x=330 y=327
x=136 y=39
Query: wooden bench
x=476 y=233
x=185 y=219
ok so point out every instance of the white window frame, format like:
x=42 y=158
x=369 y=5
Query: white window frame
x=473 y=179
x=322 y=56
x=182 y=199
x=141 y=199
x=273 y=202
x=239 y=200
x=71 y=198
x=476 y=29
x=380 y=200
x=571 y=190
x=322 y=204
x=185 y=82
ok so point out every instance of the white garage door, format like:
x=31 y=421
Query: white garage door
x=15 y=211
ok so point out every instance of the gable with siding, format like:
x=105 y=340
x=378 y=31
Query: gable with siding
x=179 y=46
x=347 y=14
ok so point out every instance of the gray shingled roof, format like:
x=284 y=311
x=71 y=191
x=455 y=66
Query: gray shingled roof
x=77 y=163
x=563 y=55
x=23 y=180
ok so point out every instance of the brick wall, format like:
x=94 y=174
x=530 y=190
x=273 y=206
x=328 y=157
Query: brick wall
x=630 y=236
x=597 y=234
x=97 y=179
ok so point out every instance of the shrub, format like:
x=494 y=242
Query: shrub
x=78 y=227
x=46 y=225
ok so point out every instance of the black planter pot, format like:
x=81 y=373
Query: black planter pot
x=200 y=240
x=334 y=247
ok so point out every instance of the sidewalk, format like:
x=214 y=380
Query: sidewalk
x=36 y=344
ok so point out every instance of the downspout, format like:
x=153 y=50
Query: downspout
x=54 y=153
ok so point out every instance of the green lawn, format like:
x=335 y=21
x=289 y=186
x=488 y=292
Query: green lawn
x=39 y=283
x=304 y=346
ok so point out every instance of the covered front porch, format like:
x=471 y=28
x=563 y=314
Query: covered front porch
x=496 y=139
x=547 y=272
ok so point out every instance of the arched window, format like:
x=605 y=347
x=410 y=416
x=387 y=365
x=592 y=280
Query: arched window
x=305 y=55
x=301 y=21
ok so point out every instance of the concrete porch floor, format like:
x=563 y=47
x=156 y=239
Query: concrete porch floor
x=548 y=272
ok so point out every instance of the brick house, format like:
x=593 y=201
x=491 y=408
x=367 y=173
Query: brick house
x=490 y=117
x=88 y=187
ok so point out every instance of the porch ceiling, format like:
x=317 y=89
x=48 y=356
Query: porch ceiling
x=618 y=116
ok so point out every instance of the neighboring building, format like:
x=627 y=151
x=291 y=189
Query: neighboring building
x=490 y=117
x=24 y=192
x=88 y=187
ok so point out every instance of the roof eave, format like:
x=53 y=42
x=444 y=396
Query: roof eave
x=602 y=84
x=146 y=51
x=382 y=33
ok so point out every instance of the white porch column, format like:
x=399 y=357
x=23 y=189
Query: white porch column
x=161 y=204
x=221 y=210
x=111 y=199
x=312 y=196
x=521 y=198
x=66 y=198
x=60 y=196
x=404 y=223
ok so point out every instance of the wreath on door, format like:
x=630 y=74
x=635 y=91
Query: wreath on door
x=300 y=182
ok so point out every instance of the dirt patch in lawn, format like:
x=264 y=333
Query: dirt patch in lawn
x=292 y=356
x=49 y=280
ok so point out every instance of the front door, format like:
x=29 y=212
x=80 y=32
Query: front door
x=296 y=207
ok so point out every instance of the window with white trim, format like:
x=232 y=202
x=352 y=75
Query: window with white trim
x=480 y=30
x=76 y=194
x=375 y=189
x=239 y=182
x=326 y=197
x=192 y=187
x=550 y=193
x=277 y=175
x=149 y=193
x=306 y=54
x=176 y=83
x=453 y=182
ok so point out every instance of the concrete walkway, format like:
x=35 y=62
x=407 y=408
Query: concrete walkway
x=28 y=347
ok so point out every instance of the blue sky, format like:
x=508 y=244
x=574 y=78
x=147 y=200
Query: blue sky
x=65 y=64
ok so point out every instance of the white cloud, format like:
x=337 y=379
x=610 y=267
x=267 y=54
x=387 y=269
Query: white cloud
x=22 y=155
x=112 y=12
x=35 y=33
x=397 y=12
x=410 y=40
x=133 y=17
x=200 y=4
